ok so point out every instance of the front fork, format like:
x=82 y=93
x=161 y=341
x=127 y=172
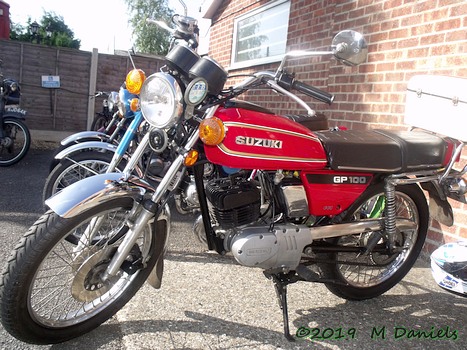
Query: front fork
x=151 y=206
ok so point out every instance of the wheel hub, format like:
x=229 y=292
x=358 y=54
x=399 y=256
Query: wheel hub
x=6 y=142
x=88 y=284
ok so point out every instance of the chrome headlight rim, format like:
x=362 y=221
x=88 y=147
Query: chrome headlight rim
x=161 y=100
x=112 y=100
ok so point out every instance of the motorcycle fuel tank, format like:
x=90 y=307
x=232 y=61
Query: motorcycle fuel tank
x=259 y=140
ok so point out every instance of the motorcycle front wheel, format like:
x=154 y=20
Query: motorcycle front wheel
x=77 y=167
x=15 y=142
x=100 y=122
x=367 y=275
x=52 y=290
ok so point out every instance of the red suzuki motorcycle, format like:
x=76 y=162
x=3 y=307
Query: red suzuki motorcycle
x=340 y=207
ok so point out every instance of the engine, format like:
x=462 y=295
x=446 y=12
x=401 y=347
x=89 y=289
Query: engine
x=235 y=207
x=235 y=201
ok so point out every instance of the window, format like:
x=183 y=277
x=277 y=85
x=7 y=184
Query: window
x=260 y=36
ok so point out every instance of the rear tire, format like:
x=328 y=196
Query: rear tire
x=381 y=271
x=51 y=291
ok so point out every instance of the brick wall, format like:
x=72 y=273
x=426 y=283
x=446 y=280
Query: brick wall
x=404 y=38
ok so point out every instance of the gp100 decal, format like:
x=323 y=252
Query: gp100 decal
x=338 y=179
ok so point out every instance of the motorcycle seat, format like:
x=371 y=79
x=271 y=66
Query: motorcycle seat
x=383 y=150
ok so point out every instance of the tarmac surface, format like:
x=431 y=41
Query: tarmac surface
x=209 y=302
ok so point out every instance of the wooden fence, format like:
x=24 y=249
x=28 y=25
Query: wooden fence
x=70 y=107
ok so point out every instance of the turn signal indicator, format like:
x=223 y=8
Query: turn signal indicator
x=212 y=131
x=134 y=81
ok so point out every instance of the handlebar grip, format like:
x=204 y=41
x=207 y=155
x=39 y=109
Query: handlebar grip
x=311 y=91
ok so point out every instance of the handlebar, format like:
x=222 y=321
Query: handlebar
x=283 y=84
x=100 y=93
x=311 y=91
x=288 y=82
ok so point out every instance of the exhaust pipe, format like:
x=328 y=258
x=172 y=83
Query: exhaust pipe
x=351 y=228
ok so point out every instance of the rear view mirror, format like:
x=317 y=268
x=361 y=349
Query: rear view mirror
x=350 y=47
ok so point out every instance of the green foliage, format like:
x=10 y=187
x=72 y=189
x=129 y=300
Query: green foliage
x=61 y=35
x=149 y=37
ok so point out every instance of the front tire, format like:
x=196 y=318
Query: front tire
x=100 y=122
x=378 y=272
x=51 y=291
x=77 y=167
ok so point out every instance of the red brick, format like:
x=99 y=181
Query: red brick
x=448 y=24
x=432 y=39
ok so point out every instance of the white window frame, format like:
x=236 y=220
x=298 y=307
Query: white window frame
x=264 y=60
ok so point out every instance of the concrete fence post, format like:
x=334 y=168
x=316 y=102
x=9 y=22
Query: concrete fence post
x=92 y=86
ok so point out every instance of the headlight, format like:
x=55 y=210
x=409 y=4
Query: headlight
x=161 y=100
x=112 y=100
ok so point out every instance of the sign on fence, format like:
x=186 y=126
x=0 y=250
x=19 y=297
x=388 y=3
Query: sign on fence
x=51 y=81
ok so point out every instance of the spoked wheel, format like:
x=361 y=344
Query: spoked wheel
x=53 y=290
x=99 y=123
x=75 y=168
x=15 y=142
x=368 y=275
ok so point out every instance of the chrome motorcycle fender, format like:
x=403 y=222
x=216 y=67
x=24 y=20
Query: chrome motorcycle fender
x=98 y=145
x=84 y=194
x=91 y=191
x=84 y=135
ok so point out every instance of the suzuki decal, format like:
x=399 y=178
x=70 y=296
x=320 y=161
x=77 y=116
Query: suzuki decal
x=254 y=141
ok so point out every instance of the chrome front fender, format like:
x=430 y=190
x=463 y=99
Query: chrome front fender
x=97 y=145
x=84 y=135
x=91 y=191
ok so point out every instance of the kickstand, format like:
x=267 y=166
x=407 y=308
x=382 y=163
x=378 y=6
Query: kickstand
x=280 y=284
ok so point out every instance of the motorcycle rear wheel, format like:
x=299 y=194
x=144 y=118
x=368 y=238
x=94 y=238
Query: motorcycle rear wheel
x=378 y=271
x=51 y=291
x=15 y=143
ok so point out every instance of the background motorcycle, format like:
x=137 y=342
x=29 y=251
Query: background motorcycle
x=332 y=210
x=15 y=138
x=104 y=120
x=84 y=157
x=110 y=135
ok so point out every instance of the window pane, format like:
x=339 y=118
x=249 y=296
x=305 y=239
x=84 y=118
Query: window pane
x=263 y=34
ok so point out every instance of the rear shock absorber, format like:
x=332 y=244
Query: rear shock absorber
x=390 y=211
